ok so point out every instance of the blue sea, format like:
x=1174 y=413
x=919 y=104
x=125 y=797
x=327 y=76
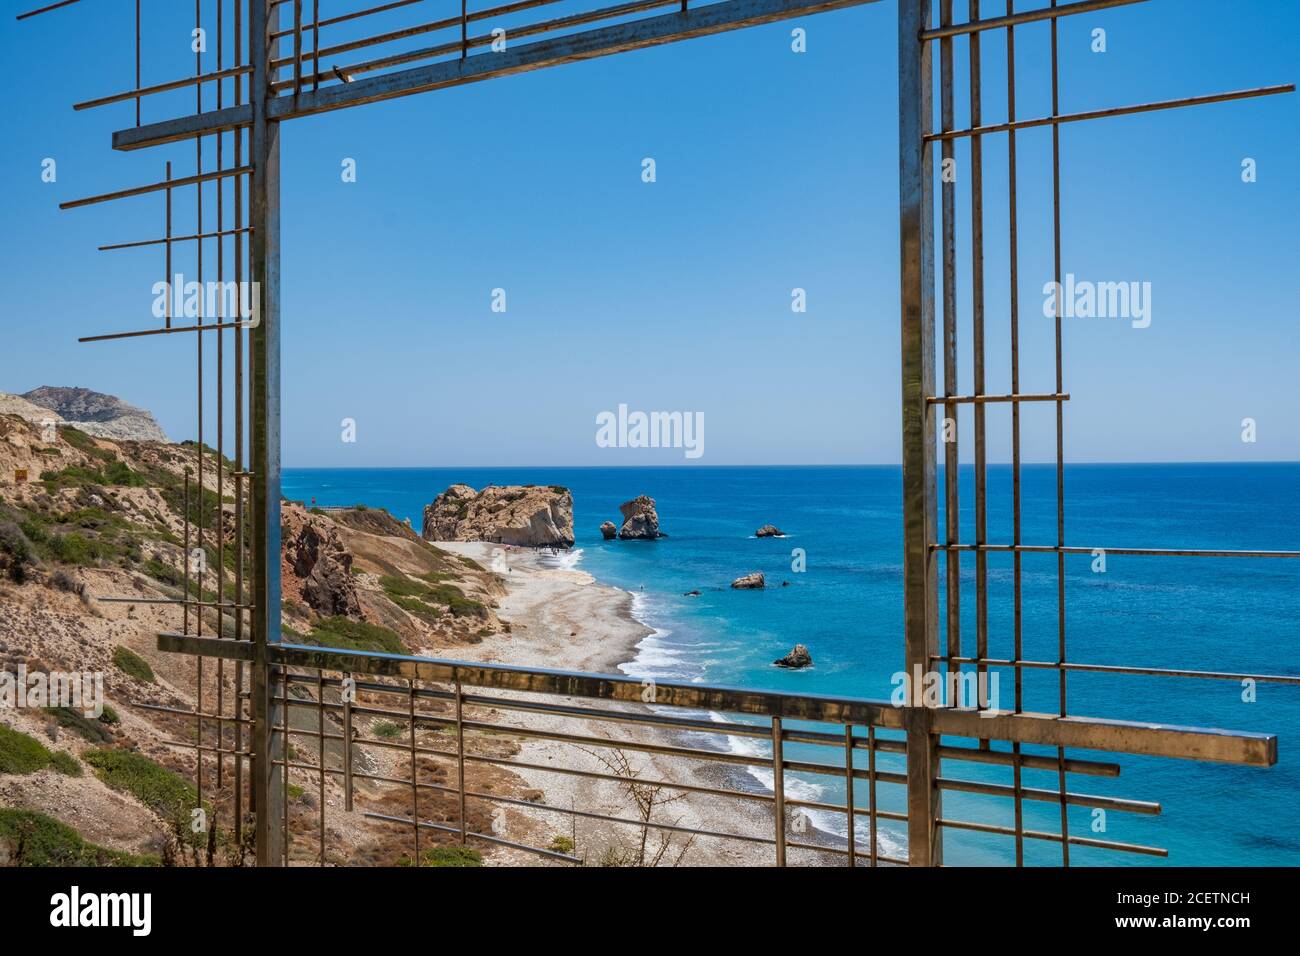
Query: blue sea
x=1236 y=615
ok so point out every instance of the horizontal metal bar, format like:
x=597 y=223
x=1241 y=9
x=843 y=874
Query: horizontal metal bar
x=46 y=9
x=179 y=712
x=178 y=84
x=991 y=399
x=174 y=330
x=1029 y=16
x=342 y=18
x=1087 y=733
x=615 y=38
x=1118 y=804
x=1113 y=736
x=157 y=187
x=1141 y=552
x=1063 y=118
x=1121 y=669
x=167 y=239
x=1054 y=837
x=133 y=600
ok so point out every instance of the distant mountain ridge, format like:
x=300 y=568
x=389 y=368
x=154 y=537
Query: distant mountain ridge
x=104 y=416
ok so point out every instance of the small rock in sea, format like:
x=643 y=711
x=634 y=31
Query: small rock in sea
x=769 y=531
x=785 y=584
x=691 y=594
x=749 y=582
x=797 y=658
x=609 y=530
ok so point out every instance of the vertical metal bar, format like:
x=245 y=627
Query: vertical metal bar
x=167 y=245
x=137 y=60
x=347 y=746
x=415 y=780
x=240 y=489
x=916 y=248
x=1060 y=437
x=264 y=272
x=221 y=439
x=285 y=751
x=315 y=44
x=464 y=29
x=951 y=510
x=977 y=347
x=1016 y=576
x=460 y=760
x=198 y=244
x=848 y=794
x=185 y=558
x=320 y=752
x=871 y=789
x=297 y=47
x=778 y=789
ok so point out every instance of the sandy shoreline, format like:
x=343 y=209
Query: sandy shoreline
x=563 y=618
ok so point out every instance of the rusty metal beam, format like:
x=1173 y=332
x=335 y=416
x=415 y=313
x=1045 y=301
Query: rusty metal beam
x=586 y=45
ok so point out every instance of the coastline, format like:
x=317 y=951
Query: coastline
x=563 y=618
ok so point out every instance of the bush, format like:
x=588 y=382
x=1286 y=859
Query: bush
x=17 y=549
x=446 y=856
x=162 y=791
x=34 y=839
x=94 y=731
x=133 y=665
x=349 y=635
x=22 y=754
x=387 y=730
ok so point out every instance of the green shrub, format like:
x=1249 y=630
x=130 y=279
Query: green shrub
x=133 y=665
x=20 y=753
x=34 y=839
x=159 y=789
x=109 y=716
x=65 y=763
x=387 y=730
x=446 y=856
x=85 y=727
x=18 y=550
x=562 y=844
x=346 y=634
x=164 y=572
x=75 y=548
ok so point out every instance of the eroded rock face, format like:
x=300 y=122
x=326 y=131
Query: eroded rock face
x=524 y=515
x=640 y=520
x=750 y=582
x=609 y=530
x=104 y=416
x=316 y=564
x=769 y=531
x=797 y=658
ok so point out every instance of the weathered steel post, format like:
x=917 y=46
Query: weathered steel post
x=916 y=234
x=264 y=217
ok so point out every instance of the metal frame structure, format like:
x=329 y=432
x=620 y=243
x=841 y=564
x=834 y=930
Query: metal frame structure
x=254 y=724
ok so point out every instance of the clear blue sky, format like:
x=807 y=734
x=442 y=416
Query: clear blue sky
x=775 y=171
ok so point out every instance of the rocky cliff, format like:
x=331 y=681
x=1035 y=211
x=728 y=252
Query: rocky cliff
x=525 y=515
x=104 y=416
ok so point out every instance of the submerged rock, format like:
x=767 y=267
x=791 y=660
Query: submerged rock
x=640 y=520
x=750 y=582
x=797 y=658
x=525 y=515
x=769 y=531
x=609 y=530
x=691 y=594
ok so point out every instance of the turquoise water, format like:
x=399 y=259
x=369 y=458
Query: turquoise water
x=1202 y=613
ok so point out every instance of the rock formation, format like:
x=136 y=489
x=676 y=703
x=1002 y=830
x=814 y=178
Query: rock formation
x=797 y=658
x=640 y=520
x=316 y=563
x=525 y=515
x=769 y=531
x=95 y=413
x=609 y=530
x=750 y=582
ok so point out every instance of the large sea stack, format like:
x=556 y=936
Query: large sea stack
x=640 y=520
x=534 y=516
